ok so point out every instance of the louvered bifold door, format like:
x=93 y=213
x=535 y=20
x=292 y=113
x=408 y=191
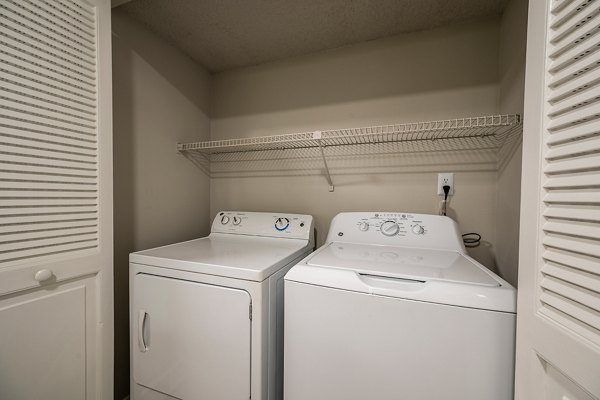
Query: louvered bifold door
x=570 y=281
x=56 y=308
x=559 y=300
x=49 y=162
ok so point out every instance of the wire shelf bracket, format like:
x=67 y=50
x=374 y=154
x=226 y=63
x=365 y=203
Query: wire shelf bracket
x=471 y=133
x=317 y=135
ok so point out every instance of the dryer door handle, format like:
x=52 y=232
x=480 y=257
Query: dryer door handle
x=141 y=325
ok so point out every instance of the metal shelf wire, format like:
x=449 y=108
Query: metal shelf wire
x=463 y=133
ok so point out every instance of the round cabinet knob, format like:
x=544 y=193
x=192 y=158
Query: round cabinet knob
x=390 y=228
x=224 y=220
x=418 y=230
x=42 y=275
x=237 y=220
x=363 y=226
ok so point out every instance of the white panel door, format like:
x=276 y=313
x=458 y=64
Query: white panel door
x=44 y=348
x=55 y=199
x=558 y=329
x=191 y=340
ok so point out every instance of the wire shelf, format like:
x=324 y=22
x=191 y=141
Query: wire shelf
x=489 y=132
x=497 y=127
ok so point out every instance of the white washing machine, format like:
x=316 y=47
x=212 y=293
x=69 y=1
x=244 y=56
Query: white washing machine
x=392 y=307
x=207 y=314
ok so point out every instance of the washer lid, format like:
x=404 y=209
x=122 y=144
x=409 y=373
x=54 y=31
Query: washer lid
x=403 y=263
x=236 y=256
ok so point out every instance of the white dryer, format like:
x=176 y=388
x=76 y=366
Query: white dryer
x=392 y=307
x=206 y=315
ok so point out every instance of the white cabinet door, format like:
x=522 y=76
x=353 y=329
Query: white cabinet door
x=190 y=340
x=558 y=327
x=43 y=344
x=55 y=199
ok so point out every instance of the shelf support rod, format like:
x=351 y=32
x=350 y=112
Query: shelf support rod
x=317 y=136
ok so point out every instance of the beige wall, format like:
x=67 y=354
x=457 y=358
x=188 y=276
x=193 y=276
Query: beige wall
x=160 y=97
x=513 y=38
x=443 y=73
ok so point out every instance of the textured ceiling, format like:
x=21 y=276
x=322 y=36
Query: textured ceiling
x=226 y=34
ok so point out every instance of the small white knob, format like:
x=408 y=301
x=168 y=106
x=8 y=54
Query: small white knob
x=418 y=230
x=389 y=228
x=43 y=275
x=363 y=226
x=224 y=220
x=237 y=220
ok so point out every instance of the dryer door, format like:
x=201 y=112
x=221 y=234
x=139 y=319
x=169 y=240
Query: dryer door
x=190 y=340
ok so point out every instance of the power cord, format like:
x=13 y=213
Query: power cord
x=471 y=239
x=445 y=201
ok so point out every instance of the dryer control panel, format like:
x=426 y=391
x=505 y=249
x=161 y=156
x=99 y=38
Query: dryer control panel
x=296 y=226
x=396 y=229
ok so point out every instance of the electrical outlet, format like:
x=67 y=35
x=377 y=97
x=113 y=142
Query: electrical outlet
x=443 y=180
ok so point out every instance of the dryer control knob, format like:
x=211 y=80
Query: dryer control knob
x=237 y=220
x=282 y=224
x=390 y=228
x=224 y=220
x=363 y=226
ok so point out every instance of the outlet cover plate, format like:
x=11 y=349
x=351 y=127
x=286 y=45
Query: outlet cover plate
x=446 y=178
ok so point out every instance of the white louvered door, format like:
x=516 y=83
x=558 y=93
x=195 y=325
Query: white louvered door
x=55 y=200
x=558 y=328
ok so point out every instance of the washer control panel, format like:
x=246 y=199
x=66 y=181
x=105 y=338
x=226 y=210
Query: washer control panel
x=394 y=228
x=392 y=224
x=298 y=226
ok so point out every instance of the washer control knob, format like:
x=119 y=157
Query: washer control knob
x=237 y=220
x=390 y=228
x=224 y=220
x=418 y=230
x=282 y=224
x=363 y=226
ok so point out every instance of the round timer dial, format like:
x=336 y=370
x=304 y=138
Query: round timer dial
x=390 y=228
x=282 y=224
